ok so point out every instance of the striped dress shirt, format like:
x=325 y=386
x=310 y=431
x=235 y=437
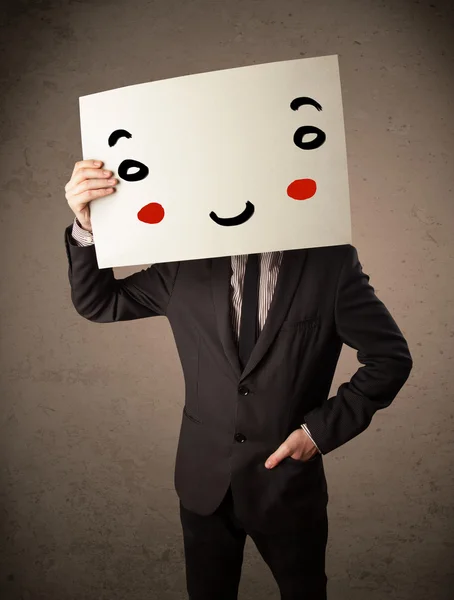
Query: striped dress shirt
x=270 y=263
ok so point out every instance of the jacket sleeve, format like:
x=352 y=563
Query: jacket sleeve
x=363 y=323
x=99 y=297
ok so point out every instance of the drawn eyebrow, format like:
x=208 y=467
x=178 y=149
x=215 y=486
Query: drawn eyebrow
x=297 y=102
x=116 y=135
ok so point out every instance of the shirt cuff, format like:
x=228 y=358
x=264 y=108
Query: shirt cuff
x=80 y=235
x=304 y=426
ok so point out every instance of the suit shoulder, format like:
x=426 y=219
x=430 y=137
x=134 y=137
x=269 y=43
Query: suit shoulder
x=338 y=253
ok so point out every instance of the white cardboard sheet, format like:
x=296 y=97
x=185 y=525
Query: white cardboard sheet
x=238 y=161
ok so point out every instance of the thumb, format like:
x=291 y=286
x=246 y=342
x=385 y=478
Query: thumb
x=282 y=452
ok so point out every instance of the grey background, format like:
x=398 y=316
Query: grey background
x=90 y=413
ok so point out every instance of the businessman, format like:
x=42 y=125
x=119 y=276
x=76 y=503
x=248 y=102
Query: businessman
x=259 y=338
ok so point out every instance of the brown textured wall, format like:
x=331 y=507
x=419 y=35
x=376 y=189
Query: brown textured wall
x=90 y=413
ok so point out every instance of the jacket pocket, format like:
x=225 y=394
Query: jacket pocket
x=308 y=324
x=314 y=458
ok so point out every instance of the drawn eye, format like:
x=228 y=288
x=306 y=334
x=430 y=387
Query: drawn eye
x=141 y=172
x=301 y=132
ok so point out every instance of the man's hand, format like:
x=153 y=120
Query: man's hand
x=298 y=445
x=87 y=183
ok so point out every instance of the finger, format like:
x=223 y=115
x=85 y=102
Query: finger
x=81 y=200
x=92 y=184
x=83 y=174
x=82 y=164
x=281 y=453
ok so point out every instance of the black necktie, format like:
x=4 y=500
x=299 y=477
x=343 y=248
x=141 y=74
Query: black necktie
x=249 y=311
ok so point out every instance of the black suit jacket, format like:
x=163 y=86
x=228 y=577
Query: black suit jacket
x=233 y=419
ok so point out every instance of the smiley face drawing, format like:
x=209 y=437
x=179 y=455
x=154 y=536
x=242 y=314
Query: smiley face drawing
x=300 y=189
x=238 y=161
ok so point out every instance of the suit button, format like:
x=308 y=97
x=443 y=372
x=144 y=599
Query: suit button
x=243 y=390
x=239 y=437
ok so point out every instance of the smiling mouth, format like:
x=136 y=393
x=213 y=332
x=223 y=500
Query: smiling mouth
x=238 y=220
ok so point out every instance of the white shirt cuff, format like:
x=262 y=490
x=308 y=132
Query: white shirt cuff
x=82 y=237
x=304 y=426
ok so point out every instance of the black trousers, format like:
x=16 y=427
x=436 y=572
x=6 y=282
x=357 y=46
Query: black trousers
x=214 y=547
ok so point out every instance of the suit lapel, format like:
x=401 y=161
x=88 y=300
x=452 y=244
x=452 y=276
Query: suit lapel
x=287 y=282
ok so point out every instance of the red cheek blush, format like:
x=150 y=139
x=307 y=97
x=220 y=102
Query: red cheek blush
x=151 y=213
x=302 y=189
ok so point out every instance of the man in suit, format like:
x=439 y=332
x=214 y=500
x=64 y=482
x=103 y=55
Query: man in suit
x=259 y=339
